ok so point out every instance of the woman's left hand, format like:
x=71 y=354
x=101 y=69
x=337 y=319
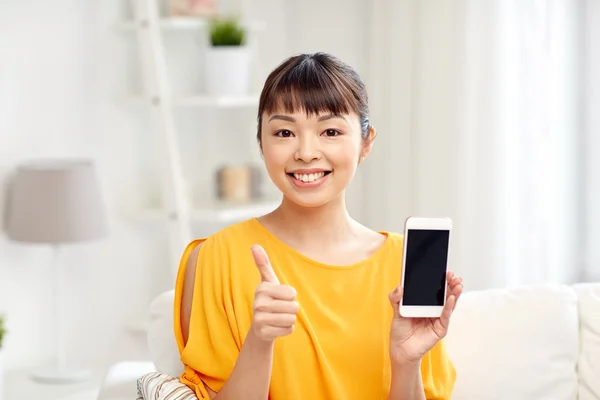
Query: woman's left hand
x=412 y=338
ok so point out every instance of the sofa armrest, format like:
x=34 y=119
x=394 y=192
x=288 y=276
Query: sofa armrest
x=120 y=382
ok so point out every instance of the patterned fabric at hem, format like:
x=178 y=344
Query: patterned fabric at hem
x=158 y=386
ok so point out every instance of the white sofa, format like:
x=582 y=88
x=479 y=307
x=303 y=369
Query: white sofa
x=529 y=343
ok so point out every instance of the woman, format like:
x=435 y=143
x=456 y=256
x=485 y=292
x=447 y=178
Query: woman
x=302 y=303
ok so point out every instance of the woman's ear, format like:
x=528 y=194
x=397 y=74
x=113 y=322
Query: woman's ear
x=368 y=143
x=259 y=139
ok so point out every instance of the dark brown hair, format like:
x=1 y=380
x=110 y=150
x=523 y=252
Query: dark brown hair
x=315 y=83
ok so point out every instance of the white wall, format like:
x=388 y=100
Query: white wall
x=63 y=68
x=591 y=178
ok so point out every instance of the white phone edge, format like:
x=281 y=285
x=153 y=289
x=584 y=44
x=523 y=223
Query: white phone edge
x=432 y=223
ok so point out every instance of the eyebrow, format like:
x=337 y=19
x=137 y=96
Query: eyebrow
x=282 y=117
x=291 y=119
x=331 y=116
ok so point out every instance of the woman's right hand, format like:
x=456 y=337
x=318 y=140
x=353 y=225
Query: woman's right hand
x=275 y=306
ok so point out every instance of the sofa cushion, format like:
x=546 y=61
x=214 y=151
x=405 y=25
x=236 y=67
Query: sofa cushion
x=161 y=337
x=589 y=358
x=120 y=382
x=519 y=344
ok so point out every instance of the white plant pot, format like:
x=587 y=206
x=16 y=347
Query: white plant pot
x=227 y=70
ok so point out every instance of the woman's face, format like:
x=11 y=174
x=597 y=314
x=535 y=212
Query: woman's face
x=311 y=159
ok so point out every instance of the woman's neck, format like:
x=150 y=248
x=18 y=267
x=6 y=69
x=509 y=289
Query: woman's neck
x=328 y=223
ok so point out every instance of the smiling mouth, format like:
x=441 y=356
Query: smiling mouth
x=307 y=178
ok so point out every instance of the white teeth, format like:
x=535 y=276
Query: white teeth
x=309 y=177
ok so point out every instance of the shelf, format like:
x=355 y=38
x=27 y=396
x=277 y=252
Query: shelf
x=216 y=213
x=205 y=101
x=181 y=23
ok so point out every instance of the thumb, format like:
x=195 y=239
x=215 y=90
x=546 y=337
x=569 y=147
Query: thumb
x=395 y=296
x=264 y=265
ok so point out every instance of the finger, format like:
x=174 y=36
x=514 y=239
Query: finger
x=447 y=312
x=276 y=291
x=276 y=320
x=264 y=265
x=395 y=296
x=454 y=282
x=277 y=306
x=274 y=332
x=456 y=293
x=458 y=289
x=459 y=280
x=453 y=289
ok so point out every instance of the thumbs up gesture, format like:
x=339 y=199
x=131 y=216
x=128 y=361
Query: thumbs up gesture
x=274 y=308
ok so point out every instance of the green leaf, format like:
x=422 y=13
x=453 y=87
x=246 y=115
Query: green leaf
x=226 y=32
x=2 y=330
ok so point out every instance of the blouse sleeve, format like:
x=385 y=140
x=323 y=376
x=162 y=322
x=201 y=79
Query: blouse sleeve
x=438 y=373
x=213 y=346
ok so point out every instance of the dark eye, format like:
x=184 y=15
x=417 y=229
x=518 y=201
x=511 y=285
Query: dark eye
x=331 y=132
x=283 y=133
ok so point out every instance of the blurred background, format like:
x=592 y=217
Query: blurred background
x=487 y=112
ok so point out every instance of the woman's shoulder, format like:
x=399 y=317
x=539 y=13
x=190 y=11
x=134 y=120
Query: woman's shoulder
x=218 y=254
x=395 y=238
x=391 y=240
x=231 y=237
x=392 y=247
x=228 y=246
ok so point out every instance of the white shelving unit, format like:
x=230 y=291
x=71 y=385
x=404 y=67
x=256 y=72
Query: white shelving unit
x=176 y=211
x=217 y=213
x=181 y=23
x=149 y=26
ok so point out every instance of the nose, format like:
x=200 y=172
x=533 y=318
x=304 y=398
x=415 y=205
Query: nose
x=308 y=149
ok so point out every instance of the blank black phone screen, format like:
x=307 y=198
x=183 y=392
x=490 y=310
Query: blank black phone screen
x=425 y=275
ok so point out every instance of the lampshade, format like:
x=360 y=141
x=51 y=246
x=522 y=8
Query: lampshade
x=56 y=202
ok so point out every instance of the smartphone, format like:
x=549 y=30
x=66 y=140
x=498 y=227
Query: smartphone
x=424 y=266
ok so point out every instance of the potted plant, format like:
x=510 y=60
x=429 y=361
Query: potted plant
x=2 y=334
x=227 y=58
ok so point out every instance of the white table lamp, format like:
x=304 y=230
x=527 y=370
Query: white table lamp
x=56 y=203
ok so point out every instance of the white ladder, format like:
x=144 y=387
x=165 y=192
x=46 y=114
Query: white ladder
x=157 y=89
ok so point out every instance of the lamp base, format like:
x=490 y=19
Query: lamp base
x=61 y=376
